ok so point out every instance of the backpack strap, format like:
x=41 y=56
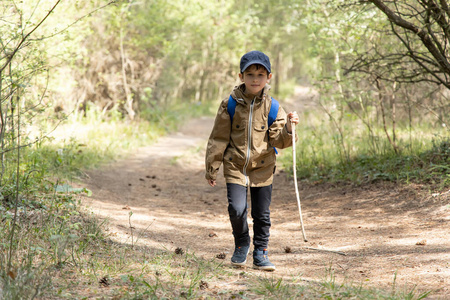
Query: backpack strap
x=273 y=111
x=231 y=108
x=273 y=115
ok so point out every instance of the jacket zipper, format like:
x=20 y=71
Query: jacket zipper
x=249 y=141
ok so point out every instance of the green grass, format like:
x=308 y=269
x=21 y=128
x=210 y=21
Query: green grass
x=327 y=288
x=63 y=252
x=118 y=271
x=52 y=233
x=83 y=143
x=53 y=236
x=324 y=155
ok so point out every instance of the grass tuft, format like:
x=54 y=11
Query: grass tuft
x=356 y=158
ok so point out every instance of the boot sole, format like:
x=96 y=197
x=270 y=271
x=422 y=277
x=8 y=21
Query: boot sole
x=239 y=264
x=264 y=268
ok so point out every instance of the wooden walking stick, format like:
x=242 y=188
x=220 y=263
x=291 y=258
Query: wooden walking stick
x=295 y=180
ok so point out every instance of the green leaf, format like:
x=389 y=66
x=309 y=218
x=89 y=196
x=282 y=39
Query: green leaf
x=55 y=237
x=73 y=236
x=37 y=249
x=65 y=188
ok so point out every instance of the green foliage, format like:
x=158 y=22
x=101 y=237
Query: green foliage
x=121 y=76
x=425 y=158
x=52 y=234
x=361 y=74
x=158 y=53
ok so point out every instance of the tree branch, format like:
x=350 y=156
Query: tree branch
x=424 y=37
x=11 y=56
x=74 y=22
x=418 y=61
x=437 y=14
x=444 y=6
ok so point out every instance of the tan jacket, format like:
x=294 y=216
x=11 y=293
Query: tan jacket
x=246 y=147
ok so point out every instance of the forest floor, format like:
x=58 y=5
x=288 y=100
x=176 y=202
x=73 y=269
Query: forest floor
x=390 y=234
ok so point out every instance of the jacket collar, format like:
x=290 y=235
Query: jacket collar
x=240 y=95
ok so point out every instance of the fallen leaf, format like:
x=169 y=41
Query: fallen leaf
x=12 y=274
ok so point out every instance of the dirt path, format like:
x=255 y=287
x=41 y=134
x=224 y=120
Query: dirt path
x=383 y=229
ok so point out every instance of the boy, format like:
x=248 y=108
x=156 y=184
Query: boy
x=244 y=142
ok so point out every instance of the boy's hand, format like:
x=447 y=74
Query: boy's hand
x=292 y=117
x=211 y=182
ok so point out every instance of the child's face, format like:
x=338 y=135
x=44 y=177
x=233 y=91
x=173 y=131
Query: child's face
x=255 y=79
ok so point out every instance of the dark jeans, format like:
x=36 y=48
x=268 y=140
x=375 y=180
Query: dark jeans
x=237 y=208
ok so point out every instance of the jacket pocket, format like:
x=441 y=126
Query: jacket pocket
x=231 y=157
x=238 y=134
x=260 y=137
x=264 y=161
x=262 y=168
x=233 y=165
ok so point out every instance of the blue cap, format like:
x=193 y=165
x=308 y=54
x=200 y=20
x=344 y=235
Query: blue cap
x=255 y=57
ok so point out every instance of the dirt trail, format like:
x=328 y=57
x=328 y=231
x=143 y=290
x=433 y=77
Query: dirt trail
x=383 y=229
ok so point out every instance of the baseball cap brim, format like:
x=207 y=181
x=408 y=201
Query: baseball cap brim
x=255 y=62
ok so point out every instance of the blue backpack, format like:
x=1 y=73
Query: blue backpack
x=231 y=108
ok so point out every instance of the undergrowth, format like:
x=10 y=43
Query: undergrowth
x=324 y=156
x=52 y=233
x=44 y=233
x=61 y=251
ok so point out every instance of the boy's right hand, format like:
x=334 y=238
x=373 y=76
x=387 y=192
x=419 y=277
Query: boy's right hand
x=211 y=182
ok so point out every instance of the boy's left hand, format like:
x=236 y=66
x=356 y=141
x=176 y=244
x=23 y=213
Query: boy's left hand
x=292 y=118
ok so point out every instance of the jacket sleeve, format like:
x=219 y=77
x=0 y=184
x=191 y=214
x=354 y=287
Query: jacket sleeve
x=218 y=141
x=279 y=137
